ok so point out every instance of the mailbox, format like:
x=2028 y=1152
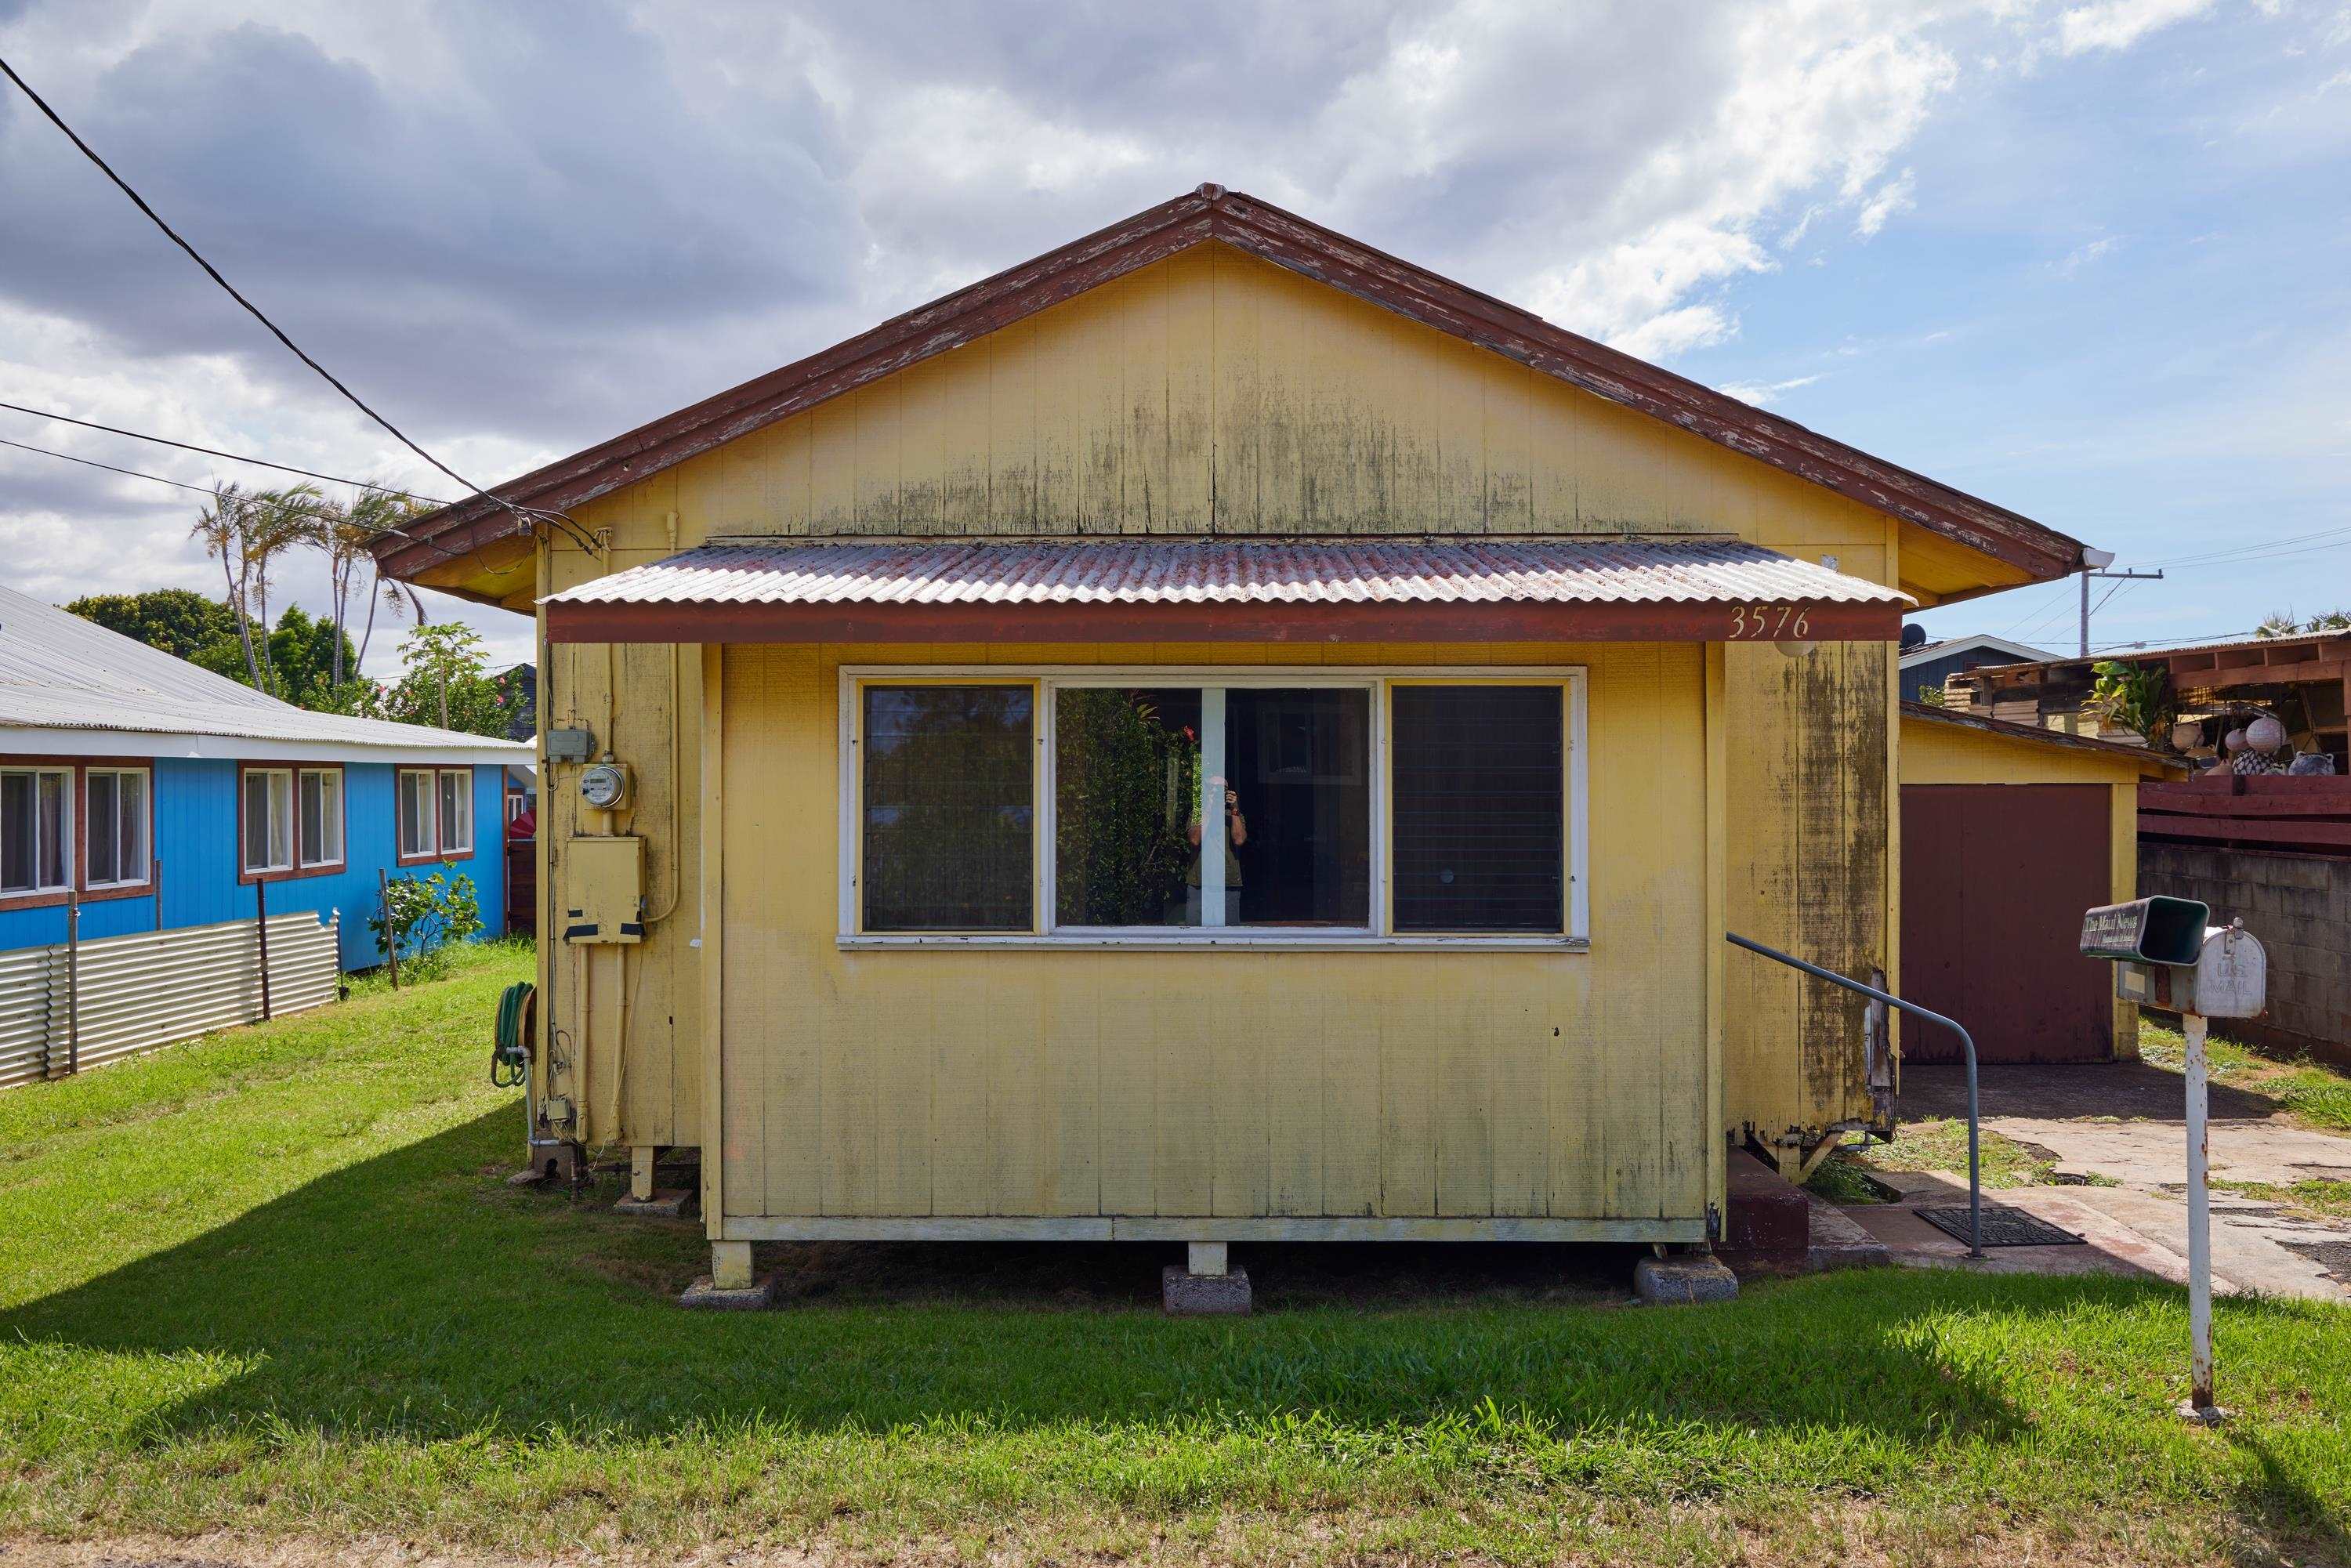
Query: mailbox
x=2147 y=931
x=2229 y=979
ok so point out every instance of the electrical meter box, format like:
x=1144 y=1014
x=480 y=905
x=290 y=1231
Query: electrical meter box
x=603 y=884
x=2229 y=979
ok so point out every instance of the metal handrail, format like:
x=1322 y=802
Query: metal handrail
x=1967 y=1044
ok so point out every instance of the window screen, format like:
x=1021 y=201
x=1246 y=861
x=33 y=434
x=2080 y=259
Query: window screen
x=1479 y=808
x=948 y=808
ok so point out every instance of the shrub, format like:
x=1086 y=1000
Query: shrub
x=428 y=913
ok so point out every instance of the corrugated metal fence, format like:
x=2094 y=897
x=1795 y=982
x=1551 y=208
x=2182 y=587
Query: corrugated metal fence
x=62 y=1008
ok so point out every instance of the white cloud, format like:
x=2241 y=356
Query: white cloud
x=1761 y=393
x=511 y=275
x=2119 y=24
x=2082 y=255
x=1896 y=196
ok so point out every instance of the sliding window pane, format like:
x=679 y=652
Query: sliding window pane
x=105 y=822
x=281 y=818
x=57 y=828
x=1479 y=808
x=1297 y=807
x=17 y=832
x=949 y=807
x=1126 y=797
x=131 y=793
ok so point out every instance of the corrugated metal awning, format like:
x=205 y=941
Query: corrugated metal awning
x=1160 y=590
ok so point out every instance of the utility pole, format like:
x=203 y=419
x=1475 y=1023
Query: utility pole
x=2089 y=572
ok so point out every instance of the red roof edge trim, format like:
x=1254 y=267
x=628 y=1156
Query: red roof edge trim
x=1299 y=246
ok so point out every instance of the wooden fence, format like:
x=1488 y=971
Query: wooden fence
x=2258 y=811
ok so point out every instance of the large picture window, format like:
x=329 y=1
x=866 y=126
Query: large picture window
x=36 y=830
x=1256 y=806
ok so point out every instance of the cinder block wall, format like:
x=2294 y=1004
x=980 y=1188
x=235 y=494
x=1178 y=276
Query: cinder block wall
x=2300 y=907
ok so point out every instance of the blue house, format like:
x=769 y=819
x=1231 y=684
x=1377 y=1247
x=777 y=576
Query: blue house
x=154 y=795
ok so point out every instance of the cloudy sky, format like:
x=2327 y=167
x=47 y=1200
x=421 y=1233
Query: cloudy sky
x=2092 y=261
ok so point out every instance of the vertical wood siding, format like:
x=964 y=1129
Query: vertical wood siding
x=1215 y=393
x=1072 y=1082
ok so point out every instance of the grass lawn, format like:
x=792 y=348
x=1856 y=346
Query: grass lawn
x=272 y=1288
x=2309 y=1091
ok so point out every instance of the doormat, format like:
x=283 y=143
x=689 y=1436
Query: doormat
x=2002 y=1226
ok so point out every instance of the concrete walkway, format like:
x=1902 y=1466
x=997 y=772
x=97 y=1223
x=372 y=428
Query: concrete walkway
x=2125 y=1122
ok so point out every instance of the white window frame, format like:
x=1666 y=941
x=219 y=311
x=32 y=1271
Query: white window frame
x=246 y=865
x=466 y=797
x=428 y=819
x=1047 y=680
x=68 y=829
x=146 y=777
x=335 y=823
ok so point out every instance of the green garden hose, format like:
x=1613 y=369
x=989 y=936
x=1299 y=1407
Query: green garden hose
x=510 y=1042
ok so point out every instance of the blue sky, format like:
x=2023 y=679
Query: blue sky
x=2122 y=305
x=2087 y=258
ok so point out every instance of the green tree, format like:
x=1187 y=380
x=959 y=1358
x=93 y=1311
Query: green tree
x=305 y=655
x=175 y=621
x=444 y=682
x=247 y=531
x=345 y=534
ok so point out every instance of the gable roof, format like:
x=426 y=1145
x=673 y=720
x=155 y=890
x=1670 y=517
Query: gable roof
x=59 y=672
x=2016 y=651
x=1260 y=229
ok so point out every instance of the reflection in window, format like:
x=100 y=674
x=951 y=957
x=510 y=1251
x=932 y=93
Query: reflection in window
x=948 y=806
x=1478 y=809
x=36 y=829
x=1297 y=768
x=118 y=827
x=1127 y=790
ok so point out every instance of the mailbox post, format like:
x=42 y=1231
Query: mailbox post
x=2167 y=953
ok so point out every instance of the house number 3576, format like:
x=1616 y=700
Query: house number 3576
x=1753 y=620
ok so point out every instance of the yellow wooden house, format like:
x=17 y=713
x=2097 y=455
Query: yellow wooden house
x=1214 y=734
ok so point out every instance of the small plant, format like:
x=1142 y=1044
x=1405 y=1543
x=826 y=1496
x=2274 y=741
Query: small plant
x=2133 y=698
x=427 y=914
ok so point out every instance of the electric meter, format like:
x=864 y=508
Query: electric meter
x=604 y=786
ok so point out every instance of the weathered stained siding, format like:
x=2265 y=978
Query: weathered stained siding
x=1214 y=391
x=1079 y=1082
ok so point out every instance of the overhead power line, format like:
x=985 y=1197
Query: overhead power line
x=158 y=478
x=54 y=117
x=216 y=452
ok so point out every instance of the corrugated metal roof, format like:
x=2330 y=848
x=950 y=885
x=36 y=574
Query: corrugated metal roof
x=59 y=671
x=1164 y=571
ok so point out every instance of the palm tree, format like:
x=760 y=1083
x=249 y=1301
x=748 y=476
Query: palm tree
x=226 y=527
x=281 y=519
x=244 y=531
x=345 y=534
